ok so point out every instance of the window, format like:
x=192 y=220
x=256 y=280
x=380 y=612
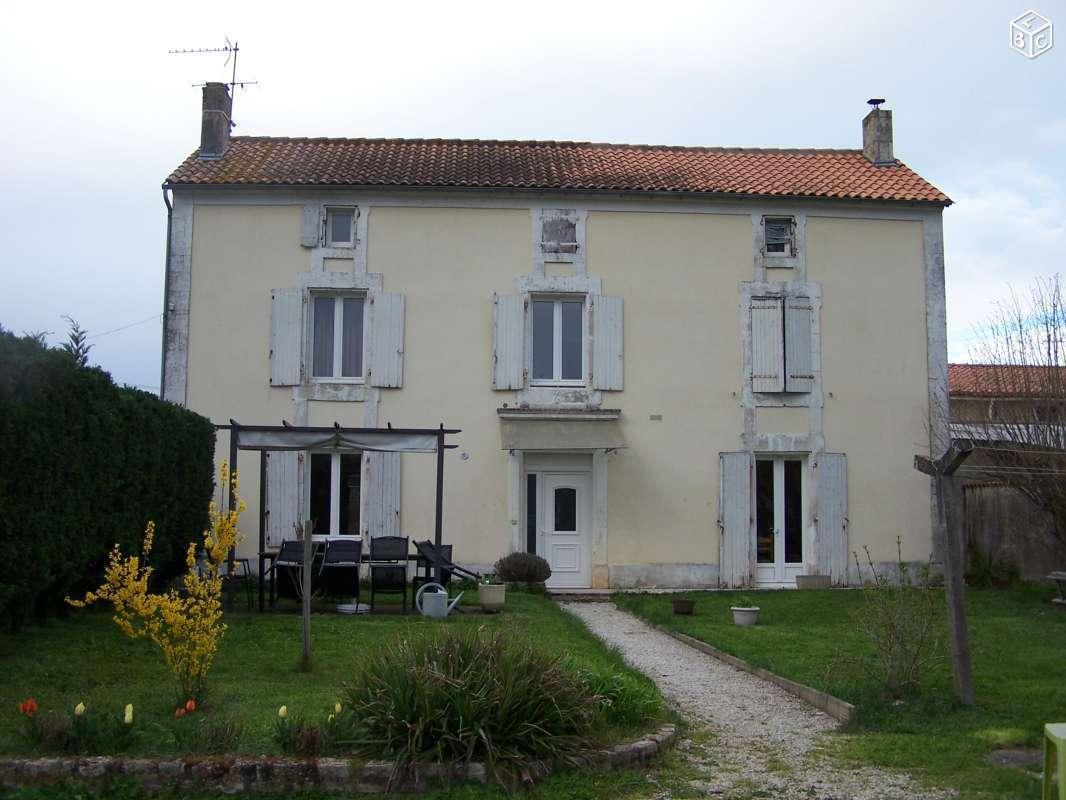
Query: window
x=558 y=341
x=778 y=236
x=781 y=344
x=778 y=511
x=531 y=512
x=337 y=336
x=335 y=486
x=558 y=233
x=340 y=227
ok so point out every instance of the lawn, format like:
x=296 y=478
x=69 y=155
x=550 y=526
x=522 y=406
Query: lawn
x=87 y=659
x=1019 y=659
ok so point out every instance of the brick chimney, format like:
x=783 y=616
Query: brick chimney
x=214 y=130
x=877 y=135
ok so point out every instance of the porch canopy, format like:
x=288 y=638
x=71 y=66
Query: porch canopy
x=265 y=438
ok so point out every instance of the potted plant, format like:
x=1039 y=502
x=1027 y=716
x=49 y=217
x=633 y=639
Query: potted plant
x=683 y=605
x=491 y=593
x=745 y=612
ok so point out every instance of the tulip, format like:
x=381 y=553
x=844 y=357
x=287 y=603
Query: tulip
x=330 y=719
x=283 y=712
x=336 y=708
x=128 y=716
x=79 y=710
x=179 y=713
x=190 y=706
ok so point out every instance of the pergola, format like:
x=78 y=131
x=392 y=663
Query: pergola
x=266 y=438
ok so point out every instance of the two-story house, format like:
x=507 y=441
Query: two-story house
x=672 y=366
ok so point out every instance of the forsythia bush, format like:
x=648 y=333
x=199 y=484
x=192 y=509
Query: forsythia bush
x=185 y=624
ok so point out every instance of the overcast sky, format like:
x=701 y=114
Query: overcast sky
x=97 y=114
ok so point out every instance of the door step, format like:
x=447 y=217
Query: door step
x=581 y=595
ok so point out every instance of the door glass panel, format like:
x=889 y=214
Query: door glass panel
x=352 y=346
x=531 y=513
x=793 y=511
x=543 y=339
x=571 y=368
x=566 y=509
x=350 y=485
x=320 y=474
x=322 y=366
x=764 y=512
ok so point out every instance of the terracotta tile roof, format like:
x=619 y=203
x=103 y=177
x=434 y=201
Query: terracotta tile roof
x=556 y=166
x=989 y=380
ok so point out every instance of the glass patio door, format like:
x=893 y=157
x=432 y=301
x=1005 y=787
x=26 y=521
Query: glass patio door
x=779 y=527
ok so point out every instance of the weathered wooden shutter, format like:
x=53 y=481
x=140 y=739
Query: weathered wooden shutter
x=508 y=341
x=283 y=483
x=381 y=490
x=607 y=358
x=386 y=340
x=799 y=367
x=831 y=475
x=736 y=563
x=311 y=225
x=767 y=345
x=286 y=339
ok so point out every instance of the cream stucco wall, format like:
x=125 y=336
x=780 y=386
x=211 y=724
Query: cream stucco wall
x=678 y=273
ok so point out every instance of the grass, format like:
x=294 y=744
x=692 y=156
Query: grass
x=1018 y=643
x=87 y=659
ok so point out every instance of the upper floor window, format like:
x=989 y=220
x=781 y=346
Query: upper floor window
x=558 y=341
x=781 y=347
x=558 y=231
x=779 y=236
x=340 y=227
x=337 y=336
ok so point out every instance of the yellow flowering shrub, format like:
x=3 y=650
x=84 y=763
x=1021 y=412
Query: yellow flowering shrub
x=186 y=622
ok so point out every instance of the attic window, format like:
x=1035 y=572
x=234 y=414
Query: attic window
x=779 y=239
x=559 y=231
x=340 y=227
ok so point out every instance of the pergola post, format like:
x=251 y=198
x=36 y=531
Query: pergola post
x=438 y=531
x=262 y=525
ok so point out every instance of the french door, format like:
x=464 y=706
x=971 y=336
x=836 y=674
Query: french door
x=779 y=526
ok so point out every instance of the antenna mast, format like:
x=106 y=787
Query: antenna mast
x=231 y=50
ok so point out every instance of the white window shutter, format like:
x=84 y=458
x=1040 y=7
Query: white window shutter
x=311 y=225
x=767 y=345
x=607 y=343
x=286 y=336
x=282 y=495
x=799 y=367
x=508 y=341
x=386 y=340
x=831 y=475
x=381 y=492
x=736 y=563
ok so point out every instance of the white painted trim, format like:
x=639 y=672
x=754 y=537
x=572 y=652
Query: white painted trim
x=515 y=504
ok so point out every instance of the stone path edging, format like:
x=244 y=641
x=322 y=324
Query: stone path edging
x=838 y=709
x=235 y=775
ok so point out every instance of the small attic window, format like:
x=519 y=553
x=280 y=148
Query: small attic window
x=340 y=227
x=779 y=239
x=559 y=232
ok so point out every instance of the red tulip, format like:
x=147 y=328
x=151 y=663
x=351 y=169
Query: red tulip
x=28 y=707
x=179 y=713
x=190 y=706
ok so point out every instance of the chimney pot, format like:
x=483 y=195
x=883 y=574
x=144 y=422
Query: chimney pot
x=877 y=136
x=215 y=126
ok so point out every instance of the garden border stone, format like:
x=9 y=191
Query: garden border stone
x=838 y=709
x=233 y=775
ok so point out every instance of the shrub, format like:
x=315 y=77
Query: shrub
x=523 y=568
x=460 y=697
x=85 y=465
x=626 y=699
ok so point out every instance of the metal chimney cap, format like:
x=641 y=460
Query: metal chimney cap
x=875 y=101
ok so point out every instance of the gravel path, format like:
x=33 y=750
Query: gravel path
x=762 y=740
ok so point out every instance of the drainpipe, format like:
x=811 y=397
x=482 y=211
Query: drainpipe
x=166 y=295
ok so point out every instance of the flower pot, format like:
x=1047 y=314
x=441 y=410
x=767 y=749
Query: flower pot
x=745 y=617
x=813 y=581
x=684 y=607
x=491 y=596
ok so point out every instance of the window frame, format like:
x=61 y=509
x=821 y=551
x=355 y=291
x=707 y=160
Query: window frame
x=327 y=233
x=557 y=334
x=790 y=242
x=338 y=337
x=334 y=493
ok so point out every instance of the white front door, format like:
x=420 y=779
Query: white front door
x=566 y=528
x=779 y=495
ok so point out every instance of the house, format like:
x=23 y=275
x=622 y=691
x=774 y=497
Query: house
x=671 y=366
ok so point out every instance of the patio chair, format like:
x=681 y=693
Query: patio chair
x=388 y=567
x=287 y=568
x=340 y=568
x=431 y=557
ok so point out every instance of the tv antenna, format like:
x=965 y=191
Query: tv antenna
x=231 y=49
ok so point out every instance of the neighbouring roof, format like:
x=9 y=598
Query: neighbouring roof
x=555 y=166
x=992 y=380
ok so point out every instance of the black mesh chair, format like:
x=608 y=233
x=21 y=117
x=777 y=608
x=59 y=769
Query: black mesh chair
x=339 y=572
x=431 y=557
x=388 y=567
x=286 y=569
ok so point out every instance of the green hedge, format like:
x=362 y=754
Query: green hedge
x=84 y=465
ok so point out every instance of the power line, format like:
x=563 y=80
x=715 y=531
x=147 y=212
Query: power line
x=124 y=327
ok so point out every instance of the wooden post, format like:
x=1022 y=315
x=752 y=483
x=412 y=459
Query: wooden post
x=949 y=521
x=305 y=598
x=438 y=531
x=262 y=524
